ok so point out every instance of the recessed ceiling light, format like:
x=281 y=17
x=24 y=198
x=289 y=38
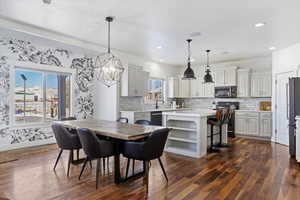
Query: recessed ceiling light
x=225 y=52
x=260 y=24
x=159 y=47
x=272 y=48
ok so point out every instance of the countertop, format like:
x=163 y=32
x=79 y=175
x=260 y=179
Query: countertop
x=192 y=113
x=159 y=109
x=261 y=111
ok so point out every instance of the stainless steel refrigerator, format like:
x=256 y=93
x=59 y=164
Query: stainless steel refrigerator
x=294 y=110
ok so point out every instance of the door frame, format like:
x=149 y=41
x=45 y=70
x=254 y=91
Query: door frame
x=275 y=117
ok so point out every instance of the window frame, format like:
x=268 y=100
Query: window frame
x=39 y=68
x=164 y=90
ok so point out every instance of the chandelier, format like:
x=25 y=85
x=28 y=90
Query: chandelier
x=108 y=68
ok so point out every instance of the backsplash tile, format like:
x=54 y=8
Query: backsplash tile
x=137 y=103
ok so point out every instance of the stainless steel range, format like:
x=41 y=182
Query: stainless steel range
x=231 y=105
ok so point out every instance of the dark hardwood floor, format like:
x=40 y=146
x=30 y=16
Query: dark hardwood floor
x=248 y=170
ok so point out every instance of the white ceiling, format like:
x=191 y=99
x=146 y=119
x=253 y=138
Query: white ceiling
x=141 y=26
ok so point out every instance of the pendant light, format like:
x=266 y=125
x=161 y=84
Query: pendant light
x=189 y=73
x=108 y=68
x=208 y=77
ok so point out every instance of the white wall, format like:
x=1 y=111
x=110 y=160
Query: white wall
x=287 y=59
x=284 y=60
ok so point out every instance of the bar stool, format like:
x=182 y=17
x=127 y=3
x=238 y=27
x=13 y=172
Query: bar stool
x=226 y=118
x=217 y=121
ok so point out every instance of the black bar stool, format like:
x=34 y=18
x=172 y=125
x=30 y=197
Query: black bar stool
x=217 y=121
x=227 y=114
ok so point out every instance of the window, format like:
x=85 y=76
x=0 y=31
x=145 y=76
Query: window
x=155 y=90
x=41 y=96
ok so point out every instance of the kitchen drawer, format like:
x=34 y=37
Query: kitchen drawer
x=246 y=114
x=266 y=115
x=252 y=114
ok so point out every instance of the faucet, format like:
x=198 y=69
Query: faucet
x=156 y=103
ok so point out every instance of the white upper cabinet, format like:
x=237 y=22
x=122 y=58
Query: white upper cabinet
x=201 y=89
x=173 y=87
x=134 y=82
x=261 y=85
x=184 y=88
x=225 y=76
x=243 y=83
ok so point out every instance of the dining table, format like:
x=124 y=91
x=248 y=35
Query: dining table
x=117 y=132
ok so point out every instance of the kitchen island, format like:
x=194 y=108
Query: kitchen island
x=189 y=135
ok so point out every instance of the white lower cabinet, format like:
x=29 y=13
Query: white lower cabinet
x=256 y=124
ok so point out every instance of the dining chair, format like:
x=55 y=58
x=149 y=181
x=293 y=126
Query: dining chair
x=123 y=120
x=143 y=122
x=73 y=131
x=65 y=141
x=94 y=148
x=149 y=149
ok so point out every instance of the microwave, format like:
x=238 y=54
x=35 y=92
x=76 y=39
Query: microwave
x=226 y=92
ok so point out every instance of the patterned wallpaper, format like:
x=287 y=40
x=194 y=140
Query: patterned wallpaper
x=12 y=50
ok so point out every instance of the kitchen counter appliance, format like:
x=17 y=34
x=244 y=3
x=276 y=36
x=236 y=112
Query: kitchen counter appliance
x=226 y=92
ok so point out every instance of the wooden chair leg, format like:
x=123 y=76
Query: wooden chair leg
x=58 y=157
x=98 y=171
x=146 y=176
x=163 y=169
x=83 y=167
x=133 y=162
x=70 y=161
x=127 y=168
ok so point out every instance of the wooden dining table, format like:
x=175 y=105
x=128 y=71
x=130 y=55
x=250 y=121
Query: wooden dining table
x=116 y=131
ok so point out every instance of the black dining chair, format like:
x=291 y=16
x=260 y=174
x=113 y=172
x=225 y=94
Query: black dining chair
x=123 y=120
x=94 y=148
x=143 y=122
x=73 y=131
x=65 y=141
x=149 y=149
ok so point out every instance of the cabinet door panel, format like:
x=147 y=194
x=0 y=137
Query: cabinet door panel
x=252 y=126
x=184 y=88
x=243 y=83
x=173 y=87
x=240 y=125
x=266 y=127
x=230 y=77
x=219 y=77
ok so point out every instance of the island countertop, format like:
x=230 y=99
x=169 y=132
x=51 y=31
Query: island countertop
x=192 y=113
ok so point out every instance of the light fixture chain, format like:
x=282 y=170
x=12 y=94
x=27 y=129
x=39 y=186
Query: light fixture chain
x=108 y=36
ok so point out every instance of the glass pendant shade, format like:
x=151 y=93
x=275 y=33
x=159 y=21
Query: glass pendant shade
x=108 y=68
x=189 y=72
x=208 y=77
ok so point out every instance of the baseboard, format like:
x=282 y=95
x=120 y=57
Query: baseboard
x=27 y=144
x=254 y=138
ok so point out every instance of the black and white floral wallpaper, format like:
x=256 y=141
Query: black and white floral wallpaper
x=14 y=49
